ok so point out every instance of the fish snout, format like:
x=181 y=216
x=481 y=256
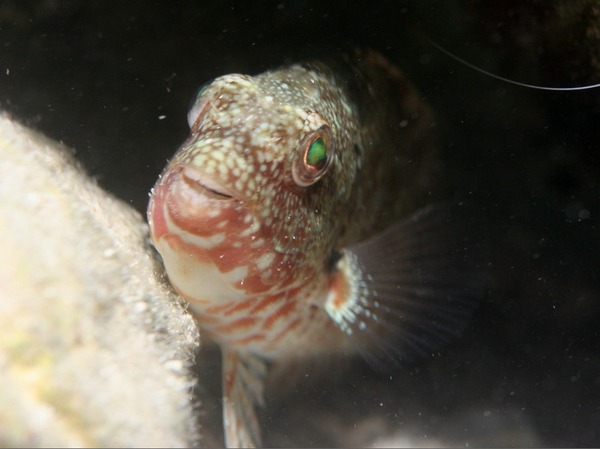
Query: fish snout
x=185 y=199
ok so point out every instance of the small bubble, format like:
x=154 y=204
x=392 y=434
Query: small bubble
x=140 y=306
x=174 y=365
x=109 y=252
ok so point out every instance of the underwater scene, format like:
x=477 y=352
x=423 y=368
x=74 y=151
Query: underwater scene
x=300 y=223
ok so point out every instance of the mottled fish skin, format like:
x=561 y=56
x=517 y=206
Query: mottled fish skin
x=269 y=246
x=253 y=235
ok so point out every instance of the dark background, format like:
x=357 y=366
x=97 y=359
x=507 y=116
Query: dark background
x=113 y=80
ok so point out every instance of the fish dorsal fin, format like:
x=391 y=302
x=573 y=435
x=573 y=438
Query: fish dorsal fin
x=408 y=290
x=243 y=382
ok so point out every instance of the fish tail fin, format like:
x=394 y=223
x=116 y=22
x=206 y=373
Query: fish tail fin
x=410 y=289
x=243 y=384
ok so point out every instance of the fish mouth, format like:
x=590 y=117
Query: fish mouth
x=204 y=185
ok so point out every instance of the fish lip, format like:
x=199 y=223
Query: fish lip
x=205 y=185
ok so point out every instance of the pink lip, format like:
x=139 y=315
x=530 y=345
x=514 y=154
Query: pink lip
x=190 y=200
x=204 y=185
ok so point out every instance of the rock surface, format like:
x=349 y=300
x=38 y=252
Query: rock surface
x=95 y=350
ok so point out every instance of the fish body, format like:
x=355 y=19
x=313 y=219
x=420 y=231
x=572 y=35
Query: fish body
x=285 y=221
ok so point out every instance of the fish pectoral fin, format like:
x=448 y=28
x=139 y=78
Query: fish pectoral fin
x=408 y=290
x=243 y=384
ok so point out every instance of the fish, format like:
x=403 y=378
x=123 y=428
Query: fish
x=297 y=221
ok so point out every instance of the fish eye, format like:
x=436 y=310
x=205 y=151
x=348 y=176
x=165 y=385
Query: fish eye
x=316 y=154
x=197 y=104
x=315 y=157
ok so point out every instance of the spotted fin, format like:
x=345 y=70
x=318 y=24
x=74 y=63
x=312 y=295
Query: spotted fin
x=408 y=290
x=243 y=381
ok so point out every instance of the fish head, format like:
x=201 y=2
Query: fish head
x=246 y=206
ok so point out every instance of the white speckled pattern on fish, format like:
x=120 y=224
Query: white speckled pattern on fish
x=257 y=214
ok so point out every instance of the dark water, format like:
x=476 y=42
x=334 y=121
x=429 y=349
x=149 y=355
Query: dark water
x=114 y=81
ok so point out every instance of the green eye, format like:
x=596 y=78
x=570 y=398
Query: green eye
x=316 y=155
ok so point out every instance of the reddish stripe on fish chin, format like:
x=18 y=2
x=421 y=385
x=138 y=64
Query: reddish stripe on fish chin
x=155 y=215
x=230 y=308
x=274 y=340
x=265 y=302
x=246 y=340
x=243 y=305
x=217 y=309
x=237 y=325
x=206 y=224
x=288 y=307
x=177 y=243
